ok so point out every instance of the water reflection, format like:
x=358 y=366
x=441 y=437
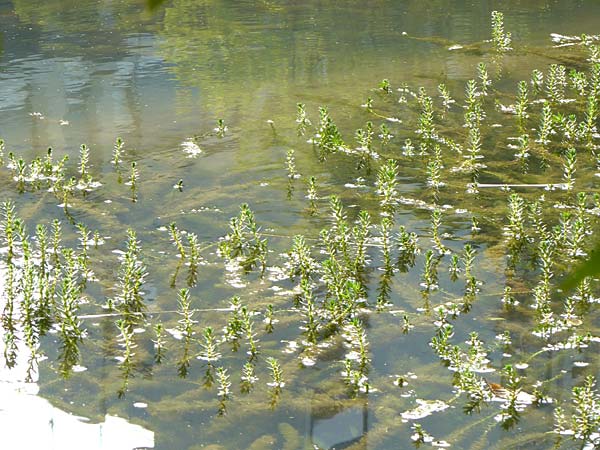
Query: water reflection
x=102 y=69
x=341 y=429
x=24 y=411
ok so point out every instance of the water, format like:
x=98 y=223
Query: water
x=73 y=74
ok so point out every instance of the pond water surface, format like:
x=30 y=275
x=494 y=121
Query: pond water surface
x=75 y=73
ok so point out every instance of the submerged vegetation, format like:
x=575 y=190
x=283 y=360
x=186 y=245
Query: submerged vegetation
x=379 y=310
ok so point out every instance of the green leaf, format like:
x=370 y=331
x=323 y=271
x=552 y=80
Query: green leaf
x=588 y=268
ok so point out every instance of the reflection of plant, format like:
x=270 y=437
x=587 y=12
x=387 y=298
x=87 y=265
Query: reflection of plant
x=126 y=358
x=70 y=325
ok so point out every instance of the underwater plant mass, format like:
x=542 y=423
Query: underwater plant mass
x=245 y=231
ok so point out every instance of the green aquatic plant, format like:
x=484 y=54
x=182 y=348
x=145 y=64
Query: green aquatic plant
x=447 y=100
x=515 y=229
x=179 y=185
x=209 y=352
x=440 y=342
x=569 y=128
x=589 y=127
x=454 y=268
x=356 y=360
x=535 y=214
x=387 y=187
x=430 y=275
x=46 y=283
x=221 y=128
x=159 y=342
x=470 y=165
x=134 y=176
x=522 y=103
x=385 y=134
x=8 y=226
x=556 y=82
x=56 y=241
x=420 y=436
x=67 y=311
x=474 y=112
x=248 y=328
x=385 y=86
x=434 y=169
x=175 y=234
x=311 y=323
x=569 y=167
x=364 y=138
x=224 y=382
x=248 y=377
x=368 y=105
x=132 y=275
x=301 y=263
x=244 y=243
x=337 y=238
x=84 y=160
x=500 y=38
x=117 y=155
x=276 y=373
x=302 y=120
x=408 y=247
x=234 y=328
x=426 y=126
x=512 y=394
x=523 y=152
x=195 y=259
x=484 y=79
x=312 y=196
x=578 y=81
x=67 y=191
x=83 y=257
x=468 y=258
x=408 y=148
x=185 y=325
x=126 y=359
x=8 y=318
x=290 y=163
x=384 y=287
x=270 y=319
x=436 y=222
x=537 y=82
x=327 y=138
x=583 y=423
